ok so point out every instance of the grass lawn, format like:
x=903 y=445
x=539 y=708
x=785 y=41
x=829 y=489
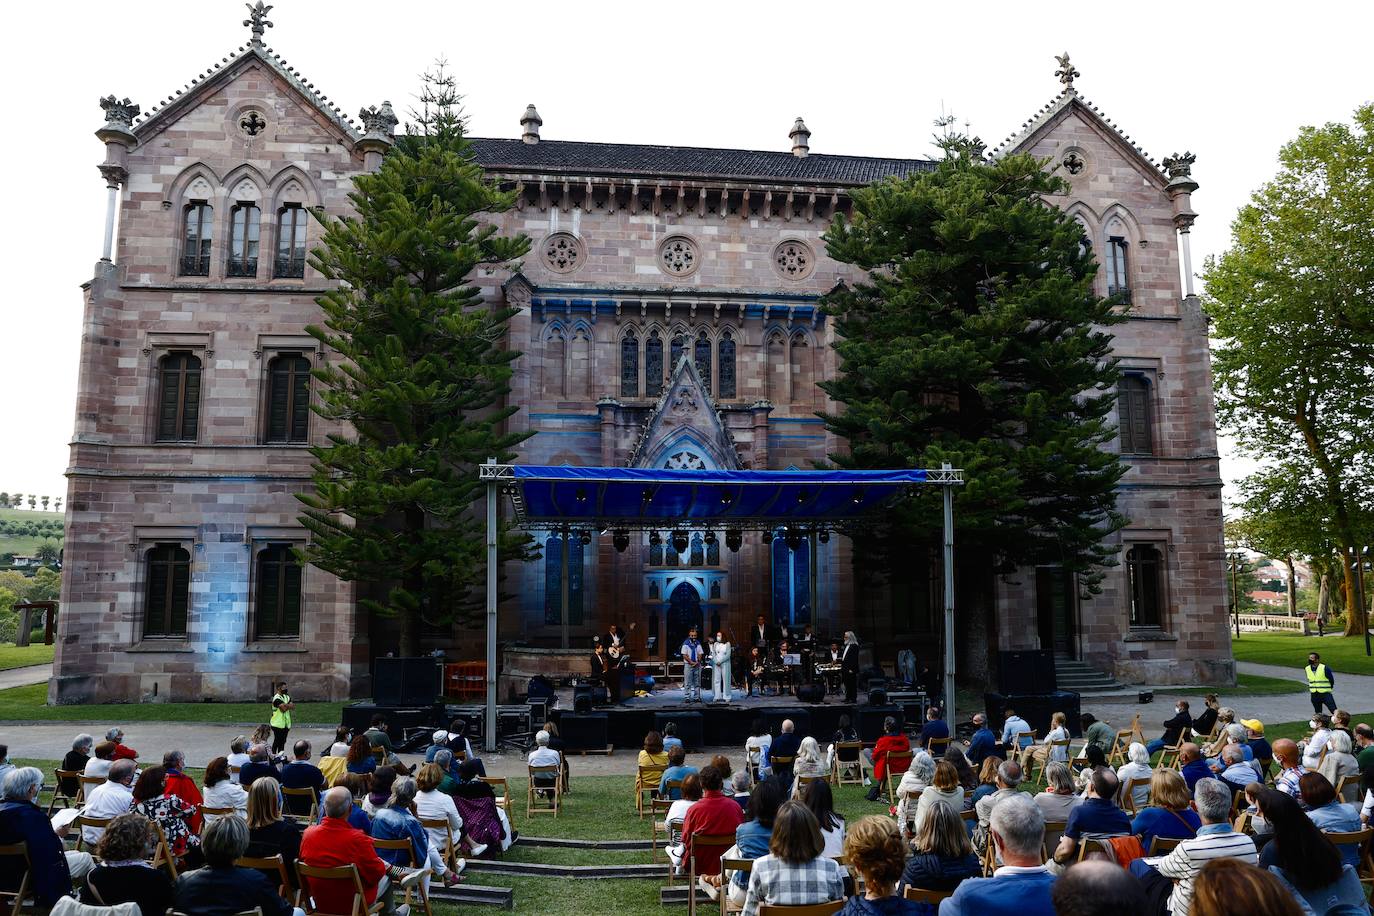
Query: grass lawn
x=19 y=657
x=1296 y=730
x=568 y=897
x=1345 y=654
x=1259 y=685
x=29 y=704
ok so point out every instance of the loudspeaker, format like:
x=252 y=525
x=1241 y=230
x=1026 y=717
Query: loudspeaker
x=1035 y=708
x=870 y=723
x=811 y=693
x=1026 y=671
x=690 y=727
x=405 y=681
x=583 y=732
x=358 y=717
x=582 y=698
x=541 y=689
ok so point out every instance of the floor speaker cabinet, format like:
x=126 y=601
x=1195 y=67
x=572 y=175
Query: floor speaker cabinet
x=691 y=727
x=1035 y=708
x=811 y=693
x=405 y=681
x=584 y=732
x=1023 y=672
x=871 y=718
x=358 y=718
x=801 y=721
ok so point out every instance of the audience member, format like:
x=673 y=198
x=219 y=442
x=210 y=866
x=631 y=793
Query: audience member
x=334 y=842
x=238 y=758
x=756 y=749
x=1046 y=749
x=891 y=742
x=1226 y=717
x=270 y=834
x=875 y=850
x=221 y=791
x=844 y=732
x=396 y=822
x=983 y=743
x=259 y=765
x=1260 y=750
x=968 y=779
x=1236 y=772
x=1202 y=725
x=809 y=760
x=378 y=790
x=300 y=773
x=51 y=868
x=1328 y=812
x=1313 y=747
x=1137 y=766
x=944 y=787
x=360 y=758
x=934 y=727
x=1170 y=814
x=1022 y=885
x=99 y=765
x=111 y=798
x=1339 y=762
x=1060 y=795
x=676 y=772
x=1291 y=769
x=753 y=835
x=544 y=756
x=786 y=744
x=1303 y=856
x=1229 y=887
x=713 y=814
x=1364 y=737
x=1097 y=888
x=484 y=821
x=221 y=888
x=739 y=789
x=1191 y=765
x=1097 y=816
x=121 y=751
x=1097 y=734
x=179 y=819
x=1009 y=776
x=433 y=805
x=343 y=737
x=677 y=812
x=75 y=762
x=653 y=760
x=1016 y=734
x=379 y=736
x=819 y=798
x=943 y=854
x=914 y=781
x=794 y=873
x=1170 y=882
x=987 y=778
x=1340 y=722
x=556 y=744
x=356 y=784
x=670 y=738
x=124 y=874
x=1173 y=729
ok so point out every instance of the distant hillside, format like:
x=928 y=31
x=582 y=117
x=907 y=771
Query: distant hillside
x=21 y=531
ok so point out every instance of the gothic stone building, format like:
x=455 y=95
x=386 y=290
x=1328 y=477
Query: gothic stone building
x=668 y=317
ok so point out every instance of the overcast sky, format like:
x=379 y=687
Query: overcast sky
x=1229 y=81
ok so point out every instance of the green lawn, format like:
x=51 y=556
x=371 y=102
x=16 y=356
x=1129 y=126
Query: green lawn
x=1342 y=653
x=1296 y=730
x=29 y=704
x=16 y=657
x=25 y=545
x=1258 y=685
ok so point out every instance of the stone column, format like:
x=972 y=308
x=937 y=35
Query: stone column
x=379 y=125
x=1180 y=189
x=118 y=136
x=759 y=411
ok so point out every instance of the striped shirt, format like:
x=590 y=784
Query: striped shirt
x=780 y=883
x=1287 y=781
x=1214 y=841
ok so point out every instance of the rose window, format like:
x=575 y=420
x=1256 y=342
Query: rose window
x=685 y=461
x=562 y=253
x=678 y=256
x=793 y=260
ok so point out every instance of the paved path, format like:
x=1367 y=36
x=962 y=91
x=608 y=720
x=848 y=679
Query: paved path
x=22 y=677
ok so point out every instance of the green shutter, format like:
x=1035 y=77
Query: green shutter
x=167 y=406
x=155 y=615
x=300 y=401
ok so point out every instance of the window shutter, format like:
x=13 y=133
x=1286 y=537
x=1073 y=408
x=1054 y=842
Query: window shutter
x=154 y=623
x=269 y=594
x=291 y=595
x=300 y=400
x=190 y=411
x=277 y=396
x=1133 y=408
x=181 y=590
x=167 y=406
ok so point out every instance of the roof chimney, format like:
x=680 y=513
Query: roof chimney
x=801 y=139
x=529 y=125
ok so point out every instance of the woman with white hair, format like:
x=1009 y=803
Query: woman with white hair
x=1339 y=762
x=809 y=762
x=914 y=781
x=1313 y=747
x=1136 y=767
x=75 y=762
x=543 y=756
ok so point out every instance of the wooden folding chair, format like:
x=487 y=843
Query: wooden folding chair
x=82 y=820
x=720 y=841
x=379 y=754
x=646 y=781
x=897 y=764
x=989 y=860
x=812 y=909
x=162 y=852
x=1016 y=743
x=801 y=782
x=1044 y=762
x=1348 y=789
x=87 y=784
x=410 y=889
x=59 y=790
x=1054 y=832
x=840 y=770
x=19 y=894
x=671 y=786
x=672 y=835
x=782 y=764
x=936 y=747
x=726 y=905
x=536 y=803
x=1159 y=845
x=1361 y=840
x=921 y=895
x=1128 y=793
x=275 y=870
x=1123 y=743
x=234 y=772
x=207 y=812
x=293 y=800
x=1168 y=758
x=658 y=815
x=1101 y=841
x=502 y=789
x=338 y=873
x=450 y=848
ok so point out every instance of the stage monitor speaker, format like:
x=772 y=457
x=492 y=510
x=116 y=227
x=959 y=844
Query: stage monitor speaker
x=584 y=732
x=1026 y=671
x=877 y=695
x=811 y=693
x=358 y=718
x=405 y=681
x=541 y=689
x=1035 y=708
x=691 y=727
x=582 y=698
x=871 y=720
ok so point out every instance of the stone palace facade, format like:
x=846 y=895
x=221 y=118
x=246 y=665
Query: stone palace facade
x=668 y=317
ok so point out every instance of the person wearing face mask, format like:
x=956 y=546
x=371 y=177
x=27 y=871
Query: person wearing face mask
x=1320 y=681
x=1173 y=729
x=720 y=668
x=1321 y=733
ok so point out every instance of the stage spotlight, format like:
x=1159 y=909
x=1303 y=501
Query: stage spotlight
x=581 y=495
x=769 y=537
x=823 y=536
x=734 y=539
x=710 y=538
x=793 y=538
x=680 y=541
x=585 y=537
x=655 y=539
x=621 y=540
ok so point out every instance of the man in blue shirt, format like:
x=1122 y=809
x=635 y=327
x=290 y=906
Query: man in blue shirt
x=302 y=774
x=983 y=743
x=1021 y=887
x=1097 y=816
x=1013 y=726
x=1191 y=765
x=1260 y=750
x=676 y=772
x=935 y=727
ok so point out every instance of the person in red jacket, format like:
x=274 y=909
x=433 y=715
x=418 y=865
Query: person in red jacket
x=334 y=842
x=715 y=813
x=122 y=751
x=892 y=741
x=181 y=785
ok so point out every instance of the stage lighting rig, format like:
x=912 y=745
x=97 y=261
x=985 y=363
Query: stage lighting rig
x=680 y=542
x=621 y=540
x=734 y=538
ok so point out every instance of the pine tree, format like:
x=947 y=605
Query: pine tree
x=422 y=373
x=976 y=339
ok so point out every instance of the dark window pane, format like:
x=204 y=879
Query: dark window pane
x=288 y=399
x=1144 y=568
x=629 y=367
x=1135 y=421
x=196 y=236
x=278 y=609
x=653 y=365
x=243 y=241
x=178 y=397
x=168 y=591
x=726 y=357
x=702 y=357
x=697 y=557
x=678 y=344
x=1118 y=284
x=290 y=242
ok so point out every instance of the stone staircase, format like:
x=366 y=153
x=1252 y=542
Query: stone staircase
x=1082 y=678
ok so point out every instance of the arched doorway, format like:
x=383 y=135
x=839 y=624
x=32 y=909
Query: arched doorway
x=684 y=612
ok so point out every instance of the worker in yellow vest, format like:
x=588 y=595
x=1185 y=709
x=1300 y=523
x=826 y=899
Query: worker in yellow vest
x=281 y=717
x=1320 y=680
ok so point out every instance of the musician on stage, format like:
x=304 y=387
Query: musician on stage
x=793 y=671
x=806 y=645
x=692 y=657
x=831 y=659
x=720 y=668
x=618 y=651
x=753 y=671
x=761 y=634
x=614 y=639
x=604 y=669
x=849 y=672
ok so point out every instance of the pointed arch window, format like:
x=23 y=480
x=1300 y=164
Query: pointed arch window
x=653 y=365
x=775 y=367
x=1133 y=404
x=288 y=399
x=697 y=556
x=197 y=229
x=168 y=574
x=1118 y=274
x=278 y=592
x=678 y=345
x=629 y=365
x=553 y=580
x=1145 y=569
x=178 y=412
x=701 y=355
x=713 y=553
x=725 y=365
x=802 y=377
x=291 y=220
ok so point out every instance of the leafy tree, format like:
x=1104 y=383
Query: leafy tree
x=1292 y=302
x=18 y=501
x=45 y=503
x=975 y=338
x=47 y=553
x=57 y=505
x=423 y=372
x=4 y=500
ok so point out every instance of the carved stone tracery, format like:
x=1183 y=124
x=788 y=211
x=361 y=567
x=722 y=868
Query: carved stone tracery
x=793 y=260
x=562 y=252
x=678 y=256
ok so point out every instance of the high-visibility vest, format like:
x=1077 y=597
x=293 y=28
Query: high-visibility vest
x=1318 y=679
x=281 y=718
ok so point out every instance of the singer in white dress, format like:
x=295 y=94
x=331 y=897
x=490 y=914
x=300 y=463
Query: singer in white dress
x=720 y=668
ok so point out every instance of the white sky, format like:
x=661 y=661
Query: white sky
x=1229 y=81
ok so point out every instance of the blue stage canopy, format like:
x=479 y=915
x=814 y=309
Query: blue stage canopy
x=654 y=498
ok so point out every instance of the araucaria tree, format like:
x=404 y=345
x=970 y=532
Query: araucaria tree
x=976 y=339
x=1292 y=304
x=420 y=379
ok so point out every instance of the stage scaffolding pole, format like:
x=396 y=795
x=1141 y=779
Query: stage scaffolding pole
x=489 y=733
x=949 y=597
x=564 y=597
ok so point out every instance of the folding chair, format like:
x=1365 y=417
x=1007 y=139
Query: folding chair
x=813 y=909
x=1045 y=761
x=646 y=780
x=1159 y=845
x=207 y=812
x=936 y=747
x=338 y=873
x=162 y=852
x=1016 y=742
x=1054 y=832
x=293 y=800
x=1168 y=758
x=1128 y=793
x=534 y=802
x=989 y=861
x=801 y=782
x=921 y=895
x=782 y=764
x=1123 y=743
x=273 y=867
x=1361 y=840
x=451 y=848
x=87 y=784
x=1102 y=841
x=744 y=865
x=17 y=851
x=409 y=847
x=1348 y=789
x=721 y=841
x=503 y=796
x=234 y=772
x=840 y=770
x=670 y=786
x=82 y=820
x=672 y=835
x=897 y=764
x=66 y=778
x=657 y=807
x=378 y=754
